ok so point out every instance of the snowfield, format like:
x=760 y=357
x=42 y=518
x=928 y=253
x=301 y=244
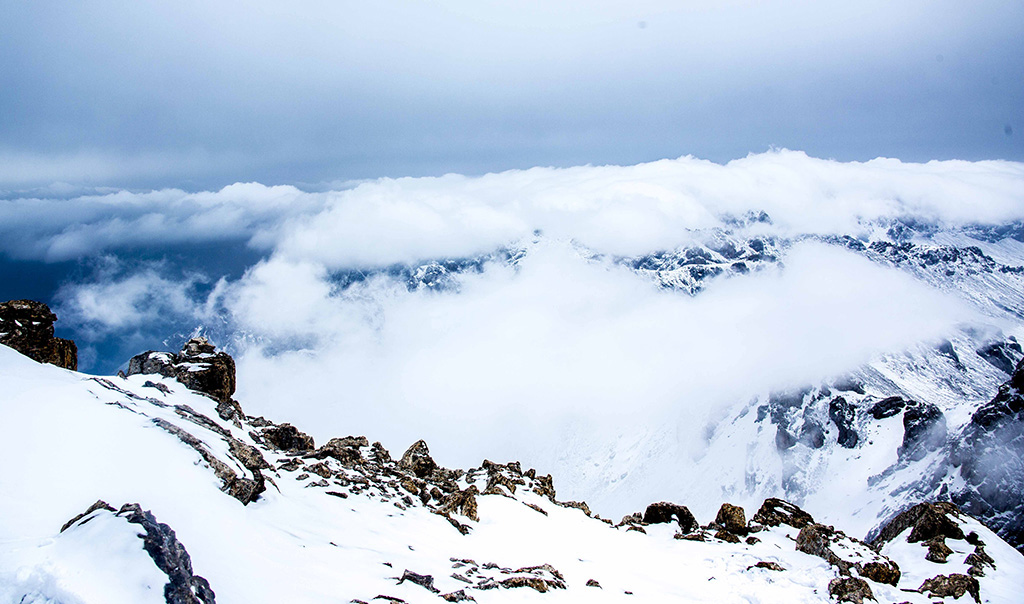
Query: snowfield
x=72 y=438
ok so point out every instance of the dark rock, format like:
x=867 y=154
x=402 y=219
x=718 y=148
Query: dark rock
x=417 y=460
x=929 y=520
x=843 y=415
x=726 y=536
x=812 y=435
x=170 y=556
x=775 y=566
x=664 y=511
x=881 y=572
x=732 y=518
x=197 y=366
x=924 y=430
x=951 y=586
x=424 y=581
x=593 y=583
x=774 y=512
x=157 y=385
x=458 y=596
x=27 y=326
x=783 y=439
x=850 y=589
x=824 y=542
x=286 y=437
x=345 y=450
x=1002 y=355
x=887 y=407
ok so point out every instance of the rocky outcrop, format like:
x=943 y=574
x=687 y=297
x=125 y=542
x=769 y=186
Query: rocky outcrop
x=163 y=547
x=286 y=437
x=842 y=415
x=926 y=521
x=990 y=456
x=951 y=586
x=732 y=519
x=924 y=430
x=847 y=554
x=850 y=589
x=199 y=367
x=27 y=326
x=774 y=512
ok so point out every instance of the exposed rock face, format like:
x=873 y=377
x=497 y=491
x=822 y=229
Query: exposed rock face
x=27 y=326
x=929 y=520
x=169 y=555
x=842 y=415
x=657 y=513
x=418 y=460
x=774 y=512
x=887 y=407
x=991 y=459
x=198 y=366
x=286 y=437
x=924 y=430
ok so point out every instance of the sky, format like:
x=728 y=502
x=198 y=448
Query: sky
x=169 y=169
x=199 y=95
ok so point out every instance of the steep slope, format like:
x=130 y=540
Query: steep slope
x=345 y=521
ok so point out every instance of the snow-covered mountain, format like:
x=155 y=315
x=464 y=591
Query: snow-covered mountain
x=156 y=486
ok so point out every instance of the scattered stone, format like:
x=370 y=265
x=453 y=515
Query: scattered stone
x=850 y=589
x=955 y=586
x=662 y=512
x=828 y=543
x=774 y=512
x=938 y=551
x=458 y=596
x=752 y=540
x=157 y=385
x=27 y=326
x=536 y=508
x=593 y=583
x=727 y=536
x=768 y=566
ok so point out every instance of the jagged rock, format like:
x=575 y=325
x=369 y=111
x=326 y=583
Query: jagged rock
x=458 y=596
x=938 y=551
x=345 y=450
x=850 y=589
x=664 y=511
x=593 y=583
x=726 y=536
x=887 y=407
x=955 y=586
x=774 y=512
x=828 y=544
x=286 y=437
x=27 y=326
x=417 y=460
x=170 y=556
x=775 y=566
x=732 y=519
x=929 y=520
x=1002 y=355
x=924 y=430
x=843 y=415
x=198 y=366
x=812 y=435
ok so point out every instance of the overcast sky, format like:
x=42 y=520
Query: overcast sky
x=200 y=94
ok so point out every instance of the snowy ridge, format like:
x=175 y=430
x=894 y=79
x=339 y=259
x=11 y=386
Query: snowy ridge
x=346 y=522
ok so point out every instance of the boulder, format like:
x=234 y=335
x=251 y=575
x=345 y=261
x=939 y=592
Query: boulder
x=198 y=366
x=27 y=326
x=417 y=460
x=927 y=520
x=664 y=511
x=286 y=437
x=951 y=586
x=850 y=589
x=732 y=519
x=846 y=553
x=924 y=430
x=843 y=415
x=774 y=512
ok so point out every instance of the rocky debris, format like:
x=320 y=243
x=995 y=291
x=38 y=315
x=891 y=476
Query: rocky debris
x=927 y=520
x=542 y=578
x=158 y=386
x=424 y=581
x=732 y=519
x=850 y=589
x=286 y=437
x=775 y=566
x=951 y=586
x=664 y=512
x=458 y=596
x=843 y=415
x=593 y=583
x=199 y=368
x=27 y=326
x=978 y=560
x=846 y=553
x=774 y=512
x=162 y=545
x=990 y=455
x=887 y=407
x=462 y=502
x=924 y=430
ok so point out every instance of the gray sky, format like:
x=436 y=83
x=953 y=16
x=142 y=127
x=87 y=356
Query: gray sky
x=203 y=94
